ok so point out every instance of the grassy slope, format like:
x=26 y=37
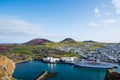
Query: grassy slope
x=22 y=52
x=77 y=44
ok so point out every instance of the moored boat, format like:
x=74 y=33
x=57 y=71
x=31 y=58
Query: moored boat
x=93 y=64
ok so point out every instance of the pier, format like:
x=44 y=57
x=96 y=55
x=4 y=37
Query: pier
x=45 y=75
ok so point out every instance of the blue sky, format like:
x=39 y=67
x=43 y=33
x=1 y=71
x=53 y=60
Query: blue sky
x=23 y=20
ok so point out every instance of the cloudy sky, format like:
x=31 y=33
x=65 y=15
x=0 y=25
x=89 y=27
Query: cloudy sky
x=23 y=20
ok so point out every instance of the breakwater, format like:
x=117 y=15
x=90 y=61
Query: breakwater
x=42 y=76
x=45 y=75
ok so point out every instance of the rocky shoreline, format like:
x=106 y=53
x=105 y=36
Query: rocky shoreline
x=112 y=75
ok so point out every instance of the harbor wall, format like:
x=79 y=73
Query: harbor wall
x=42 y=76
x=112 y=75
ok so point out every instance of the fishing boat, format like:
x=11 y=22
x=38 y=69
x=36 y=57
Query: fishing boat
x=94 y=64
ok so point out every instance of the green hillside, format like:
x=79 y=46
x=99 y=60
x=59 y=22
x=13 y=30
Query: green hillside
x=28 y=52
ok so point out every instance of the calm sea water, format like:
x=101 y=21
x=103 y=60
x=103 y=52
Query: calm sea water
x=31 y=69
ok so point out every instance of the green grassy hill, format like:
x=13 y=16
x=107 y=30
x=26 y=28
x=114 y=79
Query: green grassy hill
x=26 y=52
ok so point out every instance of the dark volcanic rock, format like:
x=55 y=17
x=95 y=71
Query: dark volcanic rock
x=111 y=75
x=37 y=41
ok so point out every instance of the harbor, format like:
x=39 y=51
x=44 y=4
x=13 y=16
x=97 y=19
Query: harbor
x=35 y=68
x=59 y=40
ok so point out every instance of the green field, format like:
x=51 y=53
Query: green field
x=18 y=52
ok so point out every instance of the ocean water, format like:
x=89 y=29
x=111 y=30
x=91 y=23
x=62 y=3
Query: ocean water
x=31 y=69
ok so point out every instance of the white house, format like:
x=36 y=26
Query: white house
x=50 y=59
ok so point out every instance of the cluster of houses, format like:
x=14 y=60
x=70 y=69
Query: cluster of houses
x=105 y=53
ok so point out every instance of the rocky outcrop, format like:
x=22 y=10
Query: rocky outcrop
x=37 y=41
x=111 y=75
x=7 y=67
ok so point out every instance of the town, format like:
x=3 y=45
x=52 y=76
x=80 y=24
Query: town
x=108 y=52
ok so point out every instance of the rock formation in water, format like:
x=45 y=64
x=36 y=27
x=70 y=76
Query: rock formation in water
x=111 y=75
x=7 y=67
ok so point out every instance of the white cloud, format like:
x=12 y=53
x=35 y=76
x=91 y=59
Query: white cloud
x=104 y=22
x=97 y=12
x=93 y=24
x=108 y=21
x=12 y=25
x=116 y=3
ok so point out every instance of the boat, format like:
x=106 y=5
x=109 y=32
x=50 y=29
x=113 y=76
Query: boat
x=94 y=64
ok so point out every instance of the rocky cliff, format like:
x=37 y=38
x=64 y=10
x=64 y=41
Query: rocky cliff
x=7 y=67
